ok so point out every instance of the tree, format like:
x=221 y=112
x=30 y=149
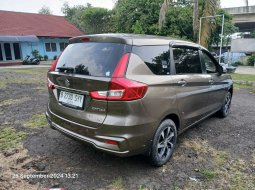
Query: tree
x=209 y=8
x=96 y=20
x=195 y=20
x=127 y=12
x=90 y=20
x=137 y=28
x=45 y=10
x=74 y=14
x=229 y=28
x=162 y=14
x=142 y=17
x=178 y=22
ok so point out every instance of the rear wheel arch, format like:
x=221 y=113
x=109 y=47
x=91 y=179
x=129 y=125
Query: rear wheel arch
x=175 y=119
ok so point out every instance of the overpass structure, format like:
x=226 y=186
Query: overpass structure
x=243 y=17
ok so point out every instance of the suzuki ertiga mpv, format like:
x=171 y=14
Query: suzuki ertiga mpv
x=133 y=94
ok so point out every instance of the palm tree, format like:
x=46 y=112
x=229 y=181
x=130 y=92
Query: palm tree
x=162 y=14
x=195 y=20
x=209 y=8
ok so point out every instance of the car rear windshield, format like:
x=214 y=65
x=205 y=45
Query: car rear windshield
x=94 y=59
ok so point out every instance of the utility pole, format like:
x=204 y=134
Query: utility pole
x=247 y=5
x=222 y=30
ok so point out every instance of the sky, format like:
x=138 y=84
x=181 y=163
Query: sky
x=33 y=6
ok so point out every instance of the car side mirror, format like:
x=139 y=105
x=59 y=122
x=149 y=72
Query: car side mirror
x=221 y=70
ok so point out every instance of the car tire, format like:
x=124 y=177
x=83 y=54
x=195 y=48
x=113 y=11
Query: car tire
x=224 y=111
x=163 y=143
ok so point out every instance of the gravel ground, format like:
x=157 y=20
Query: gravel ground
x=215 y=154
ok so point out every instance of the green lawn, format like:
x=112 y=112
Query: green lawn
x=243 y=77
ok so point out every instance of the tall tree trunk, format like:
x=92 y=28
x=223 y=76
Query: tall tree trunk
x=162 y=14
x=210 y=7
x=195 y=20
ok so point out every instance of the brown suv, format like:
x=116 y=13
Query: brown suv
x=132 y=94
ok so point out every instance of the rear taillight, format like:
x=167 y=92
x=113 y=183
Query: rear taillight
x=54 y=64
x=120 y=88
x=51 y=85
x=112 y=142
x=120 y=70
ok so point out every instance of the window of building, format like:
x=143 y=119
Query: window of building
x=16 y=48
x=187 y=60
x=8 y=52
x=157 y=58
x=1 y=55
x=51 y=47
x=210 y=64
x=63 y=45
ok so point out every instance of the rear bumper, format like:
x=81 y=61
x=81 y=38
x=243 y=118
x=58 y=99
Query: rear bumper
x=129 y=143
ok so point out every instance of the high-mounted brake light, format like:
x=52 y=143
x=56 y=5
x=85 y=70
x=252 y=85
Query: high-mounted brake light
x=85 y=39
x=121 y=89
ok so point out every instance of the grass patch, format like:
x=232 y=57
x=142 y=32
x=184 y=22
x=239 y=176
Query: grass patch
x=240 y=86
x=253 y=158
x=228 y=172
x=209 y=174
x=37 y=121
x=10 y=138
x=29 y=71
x=220 y=157
x=244 y=77
x=141 y=187
x=117 y=184
x=13 y=101
x=200 y=146
x=23 y=76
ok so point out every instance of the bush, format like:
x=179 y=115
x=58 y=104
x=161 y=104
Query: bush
x=40 y=57
x=35 y=53
x=45 y=57
x=55 y=57
x=251 y=60
x=237 y=63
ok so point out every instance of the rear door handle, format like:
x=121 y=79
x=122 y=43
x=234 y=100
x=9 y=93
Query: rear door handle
x=182 y=82
x=211 y=82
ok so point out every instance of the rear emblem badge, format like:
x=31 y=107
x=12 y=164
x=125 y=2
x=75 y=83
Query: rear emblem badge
x=67 y=82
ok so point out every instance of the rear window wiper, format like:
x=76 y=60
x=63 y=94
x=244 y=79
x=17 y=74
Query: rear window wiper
x=66 y=69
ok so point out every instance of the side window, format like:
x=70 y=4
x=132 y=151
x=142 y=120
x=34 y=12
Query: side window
x=209 y=63
x=187 y=60
x=157 y=58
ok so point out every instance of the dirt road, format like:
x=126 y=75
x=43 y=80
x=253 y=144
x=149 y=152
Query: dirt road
x=217 y=153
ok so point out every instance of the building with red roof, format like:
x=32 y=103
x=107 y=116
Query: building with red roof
x=21 y=33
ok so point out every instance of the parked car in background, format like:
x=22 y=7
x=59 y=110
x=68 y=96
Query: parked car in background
x=134 y=94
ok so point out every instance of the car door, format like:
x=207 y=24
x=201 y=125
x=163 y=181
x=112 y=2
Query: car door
x=192 y=84
x=217 y=86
